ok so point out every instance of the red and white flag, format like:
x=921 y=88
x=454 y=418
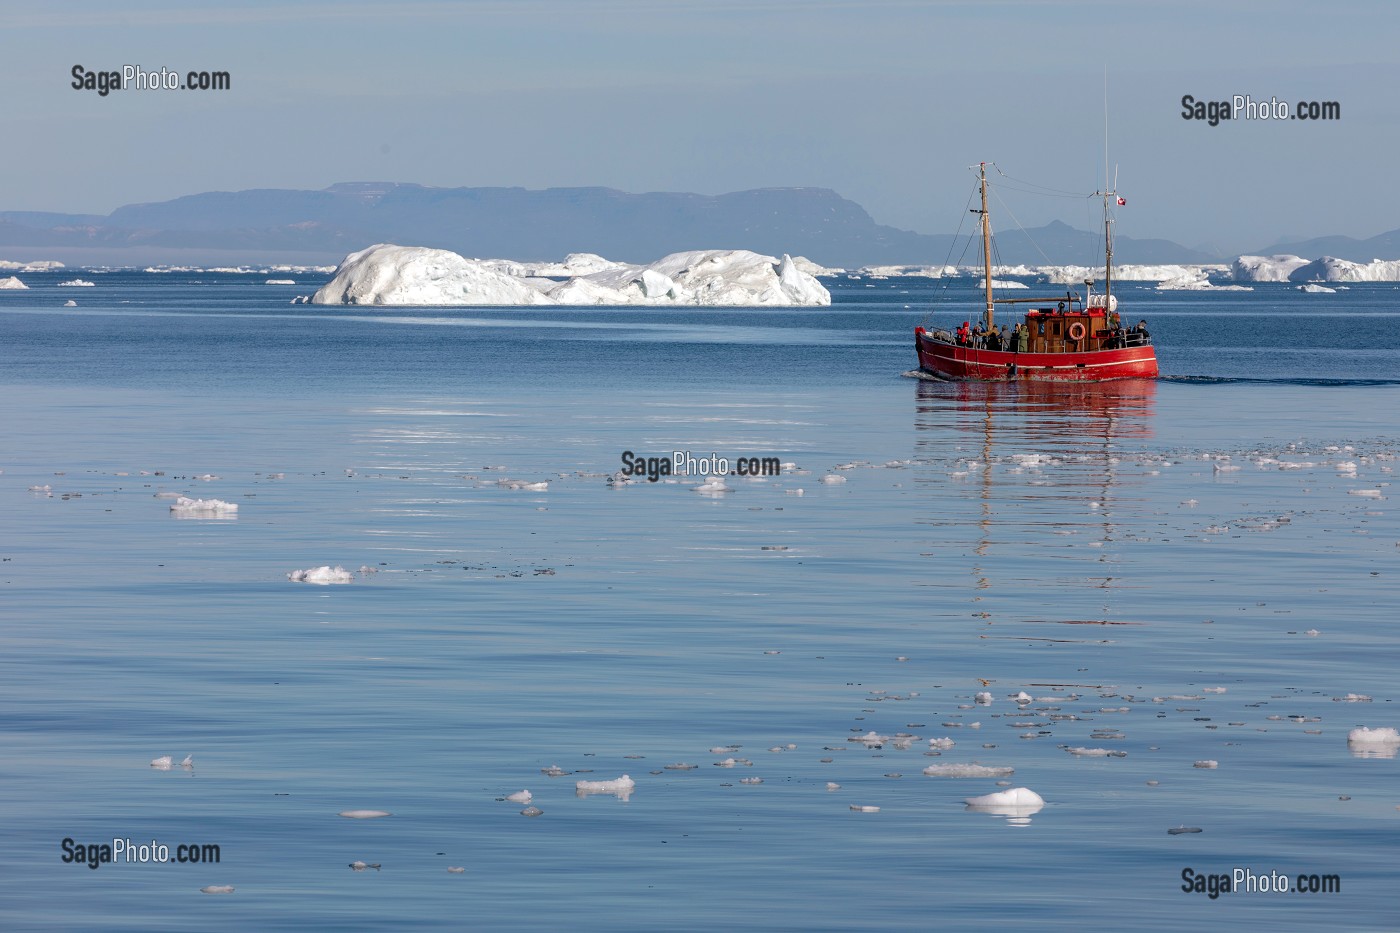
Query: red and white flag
x=1122 y=202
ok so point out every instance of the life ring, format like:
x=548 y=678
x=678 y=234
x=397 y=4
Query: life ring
x=1076 y=331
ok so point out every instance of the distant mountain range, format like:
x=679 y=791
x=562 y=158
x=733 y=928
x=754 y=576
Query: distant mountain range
x=518 y=223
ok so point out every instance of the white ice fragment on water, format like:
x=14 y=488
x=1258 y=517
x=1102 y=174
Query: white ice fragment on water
x=1082 y=752
x=1353 y=698
x=70 y=303
x=1208 y=763
x=943 y=742
x=1021 y=697
x=1365 y=493
x=455 y=870
x=864 y=809
x=12 y=282
x=554 y=771
x=363 y=814
x=216 y=889
x=621 y=787
x=359 y=865
x=520 y=796
x=832 y=785
x=188 y=763
x=967 y=771
x=531 y=811
x=162 y=763
x=187 y=506
x=712 y=486
x=984 y=697
x=522 y=485
x=1213 y=689
x=1017 y=798
x=1312 y=632
x=76 y=283
x=833 y=478
x=726 y=763
x=751 y=780
x=322 y=576
x=1384 y=735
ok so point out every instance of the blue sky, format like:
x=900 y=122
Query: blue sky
x=885 y=101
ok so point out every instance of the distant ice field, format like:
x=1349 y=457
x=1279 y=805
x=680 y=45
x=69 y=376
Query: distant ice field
x=1097 y=588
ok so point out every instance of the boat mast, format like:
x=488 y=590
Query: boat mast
x=986 y=247
x=1107 y=258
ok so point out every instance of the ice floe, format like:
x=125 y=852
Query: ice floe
x=322 y=576
x=967 y=771
x=12 y=282
x=520 y=796
x=216 y=889
x=77 y=283
x=1018 y=803
x=621 y=787
x=364 y=814
x=531 y=811
x=185 y=506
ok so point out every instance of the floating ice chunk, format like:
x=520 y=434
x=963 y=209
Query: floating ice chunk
x=76 y=283
x=864 y=809
x=1312 y=632
x=1082 y=752
x=554 y=771
x=185 y=506
x=943 y=742
x=455 y=870
x=681 y=766
x=1022 y=697
x=1367 y=736
x=358 y=865
x=12 y=282
x=520 y=796
x=188 y=763
x=162 y=763
x=1179 y=830
x=832 y=785
x=968 y=771
x=751 y=780
x=280 y=282
x=1353 y=698
x=1366 y=493
x=619 y=787
x=1213 y=689
x=45 y=488
x=833 y=478
x=712 y=486
x=1208 y=763
x=216 y=889
x=70 y=303
x=322 y=576
x=984 y=697
x=1018 y=803
x=364 y=814
x=522 y=485
x=531 y=811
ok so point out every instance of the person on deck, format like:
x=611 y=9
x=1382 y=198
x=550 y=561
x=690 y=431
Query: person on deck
x=993 y=339
x=1141 y=331
x=964 y=334
x=1023 y=338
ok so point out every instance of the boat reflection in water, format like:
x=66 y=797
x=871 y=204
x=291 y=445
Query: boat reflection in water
x=1023 y=485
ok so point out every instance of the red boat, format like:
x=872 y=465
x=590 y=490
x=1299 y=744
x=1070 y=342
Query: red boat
x=1066 y=338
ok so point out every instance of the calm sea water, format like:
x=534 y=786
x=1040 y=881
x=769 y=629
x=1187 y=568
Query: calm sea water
x=1144 y=561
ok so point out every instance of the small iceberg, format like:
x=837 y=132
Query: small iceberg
x=12 y=282
x=621 y=788
x=1018 y=804
x=76 y=283
x=364 y=814
x=185 y=507
x=1373 y=743
x=322 y=576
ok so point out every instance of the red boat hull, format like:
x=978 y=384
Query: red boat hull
x=966 y=364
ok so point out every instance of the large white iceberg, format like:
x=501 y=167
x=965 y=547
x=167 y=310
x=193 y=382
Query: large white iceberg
x=12 y=282
x=405 y=275
x=1265 y=268
x=1330 y=269
x=386 y=274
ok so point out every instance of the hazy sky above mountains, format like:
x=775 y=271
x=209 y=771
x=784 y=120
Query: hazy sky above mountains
x=886 y=101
